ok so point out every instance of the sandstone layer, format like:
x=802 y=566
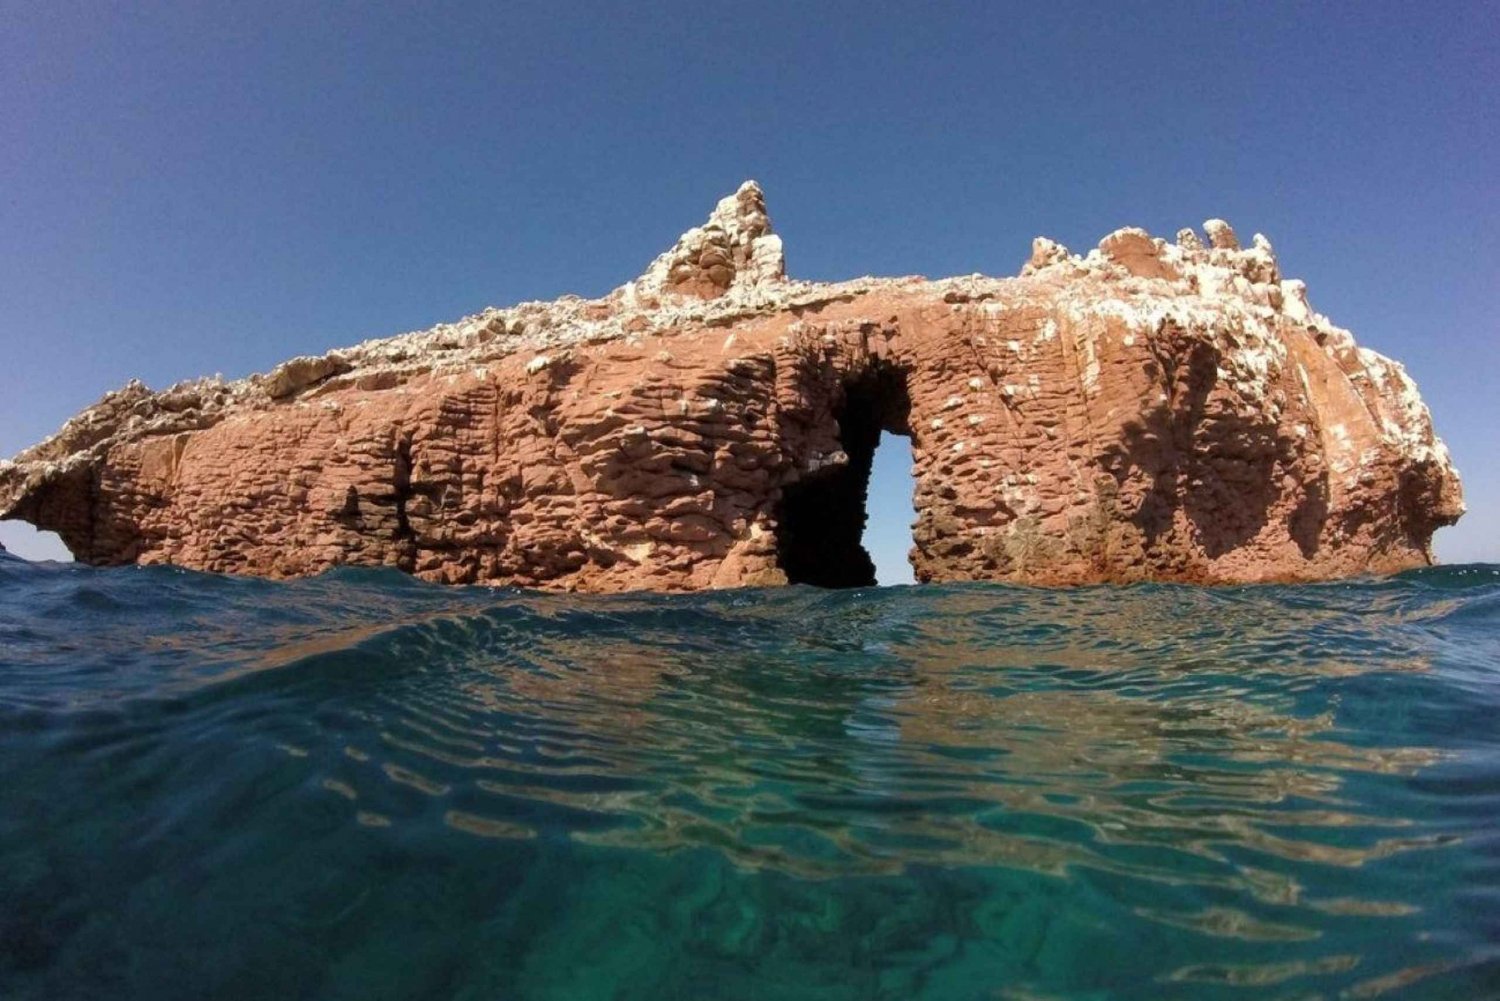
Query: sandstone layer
x=1152 y=410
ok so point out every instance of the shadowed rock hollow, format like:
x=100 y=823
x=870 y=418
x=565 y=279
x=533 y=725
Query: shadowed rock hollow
x=1149 y=411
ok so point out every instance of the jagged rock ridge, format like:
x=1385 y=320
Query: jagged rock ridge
x=1150 y=410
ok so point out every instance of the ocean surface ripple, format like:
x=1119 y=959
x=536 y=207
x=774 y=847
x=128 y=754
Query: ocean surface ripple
x=362 y=786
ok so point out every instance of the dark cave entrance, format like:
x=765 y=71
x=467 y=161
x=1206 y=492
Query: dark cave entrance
x=822 y=518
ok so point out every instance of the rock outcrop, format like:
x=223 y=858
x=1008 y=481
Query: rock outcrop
x=1148 y=411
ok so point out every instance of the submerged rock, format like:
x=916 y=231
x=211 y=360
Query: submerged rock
x=1150 y=411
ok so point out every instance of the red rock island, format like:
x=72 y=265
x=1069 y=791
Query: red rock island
x=1149 y=411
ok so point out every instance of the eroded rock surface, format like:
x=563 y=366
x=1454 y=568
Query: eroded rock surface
x=1152 y=410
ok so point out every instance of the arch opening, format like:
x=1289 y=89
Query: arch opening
x=890 y=509
x=822 y=519
x=29 y=543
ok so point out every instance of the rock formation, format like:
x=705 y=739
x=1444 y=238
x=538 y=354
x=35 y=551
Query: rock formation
x=1149 y=411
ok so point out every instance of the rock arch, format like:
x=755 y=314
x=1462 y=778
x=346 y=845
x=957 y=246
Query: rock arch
x=1147 y=411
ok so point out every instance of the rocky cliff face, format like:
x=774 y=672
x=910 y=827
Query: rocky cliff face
x=1149 y=411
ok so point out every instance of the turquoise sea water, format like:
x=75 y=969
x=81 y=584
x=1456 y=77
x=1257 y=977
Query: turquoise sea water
x=364 y=787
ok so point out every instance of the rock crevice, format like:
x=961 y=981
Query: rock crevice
x=1146 y=411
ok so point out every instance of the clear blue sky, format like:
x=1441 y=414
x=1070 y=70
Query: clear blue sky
x=189 y=188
